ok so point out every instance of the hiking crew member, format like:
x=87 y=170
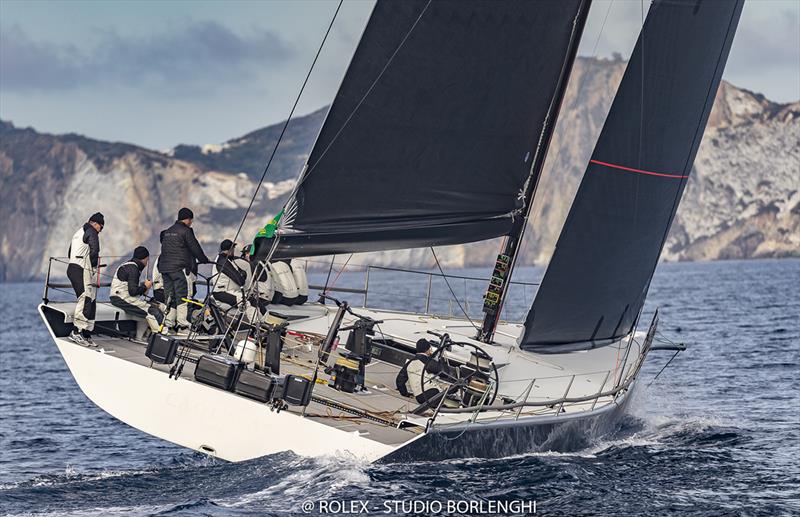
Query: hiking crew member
x=180 y=253
x=158 y=285
x=286 y=291
x=409 y=380
x=84 y=255
x=234 y=276
x=300 y=280
x=126 y=291
x=263 y=289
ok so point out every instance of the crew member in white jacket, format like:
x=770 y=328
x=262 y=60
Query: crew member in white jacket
x=234 y=276
x=409 y=379
x=262 y=289
x=290 y=281
x=84 y=257
x=127 y=291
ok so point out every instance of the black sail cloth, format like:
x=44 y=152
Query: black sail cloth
x=430 y=138
x=598 y=277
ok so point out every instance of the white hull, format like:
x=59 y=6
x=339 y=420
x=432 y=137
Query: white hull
x=200 y=417
x=234 y=428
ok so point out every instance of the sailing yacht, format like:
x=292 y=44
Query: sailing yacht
x=438 y=135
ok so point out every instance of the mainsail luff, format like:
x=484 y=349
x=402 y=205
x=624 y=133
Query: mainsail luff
x=598 y=277
x=439 y=150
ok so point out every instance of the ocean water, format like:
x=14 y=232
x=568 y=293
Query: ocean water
x=717 y=434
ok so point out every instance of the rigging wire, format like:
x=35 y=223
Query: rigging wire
x=336 y=278
x=328 y=278
x=583 y=80
x=275 y=149
x=641 y=86
x=360 y=102
x=451 y=289
x=288 y=119
x=664 y=367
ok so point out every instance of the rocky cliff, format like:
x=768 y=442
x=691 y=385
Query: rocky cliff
x=743 y=200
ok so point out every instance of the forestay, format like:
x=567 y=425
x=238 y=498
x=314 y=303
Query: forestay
x=598 y=277
x=430 y=138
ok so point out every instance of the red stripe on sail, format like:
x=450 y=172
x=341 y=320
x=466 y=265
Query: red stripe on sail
x=638 y=171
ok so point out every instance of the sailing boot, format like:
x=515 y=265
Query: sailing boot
x=87 y=338
x=182 y=324
x=152 y=322
x=169 y=320
x=76 y=337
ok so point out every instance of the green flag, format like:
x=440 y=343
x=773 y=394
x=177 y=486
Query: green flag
x=267 y=232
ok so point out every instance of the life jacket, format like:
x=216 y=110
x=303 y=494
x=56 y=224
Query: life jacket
x=409 y=379
x=158 y=281
x=283 y=279
x=119 y=287
x=264 y=286
x=226 y=284
x=79 y=251
x=248 y=272
x=300 y=277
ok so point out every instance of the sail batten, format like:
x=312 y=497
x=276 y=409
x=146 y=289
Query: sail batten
x=430 y=138
x=598 y=277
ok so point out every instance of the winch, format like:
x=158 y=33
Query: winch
x=345 y=375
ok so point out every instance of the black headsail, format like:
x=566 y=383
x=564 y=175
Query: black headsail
x=598 y=277
x=431 y=136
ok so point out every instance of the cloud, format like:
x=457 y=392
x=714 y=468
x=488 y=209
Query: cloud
x=768 y=39
x=192 y=56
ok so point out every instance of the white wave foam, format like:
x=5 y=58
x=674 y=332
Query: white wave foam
x=323 y=476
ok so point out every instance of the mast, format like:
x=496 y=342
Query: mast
x=506 y=260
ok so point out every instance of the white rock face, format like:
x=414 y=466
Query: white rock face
x=742 y=201
x=744 y=195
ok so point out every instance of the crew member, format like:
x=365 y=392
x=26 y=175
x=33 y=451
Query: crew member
x=180 y=253
x=300 y=280
x=159 y=298
x=126 y=291
x=84 y=255
x=286 y=290
x=263 y=286
x=409 y=380
x=234 y=275
x=158 y=285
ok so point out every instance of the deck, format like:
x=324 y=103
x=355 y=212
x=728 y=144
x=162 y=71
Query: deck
x=381 y=413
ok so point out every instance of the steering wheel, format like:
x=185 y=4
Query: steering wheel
x=446 y=344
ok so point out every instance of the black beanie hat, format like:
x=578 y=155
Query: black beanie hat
x=98 y=218
x=185 y=213
x=423 y=345
x=225 y=245
x=140 y=253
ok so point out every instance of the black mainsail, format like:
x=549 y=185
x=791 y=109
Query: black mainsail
x=432 y=134
x=598 y=277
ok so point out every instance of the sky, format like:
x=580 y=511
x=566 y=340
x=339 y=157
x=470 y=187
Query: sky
x=157 y=74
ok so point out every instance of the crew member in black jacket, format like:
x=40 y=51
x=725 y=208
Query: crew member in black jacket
x=126 y=290
x=180 y=253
